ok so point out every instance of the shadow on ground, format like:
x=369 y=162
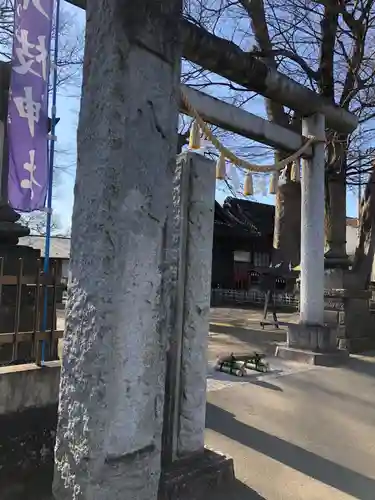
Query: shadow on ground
x=237 y=491
x=310 y=464
x=263 y=340
x=364 y=364
x=267 y=385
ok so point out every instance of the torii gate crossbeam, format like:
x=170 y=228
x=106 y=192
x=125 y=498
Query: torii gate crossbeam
x=253 y=74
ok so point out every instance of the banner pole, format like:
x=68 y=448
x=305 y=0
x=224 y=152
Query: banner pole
x=50 y=176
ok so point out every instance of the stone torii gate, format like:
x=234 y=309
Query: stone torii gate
x=124 y=292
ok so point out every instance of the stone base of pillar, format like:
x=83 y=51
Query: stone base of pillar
x=358 y=345
x=339 y=262
x=196 y=477
x=349 y=310
x=310 y=357
x=339 y=278
x=312 y=344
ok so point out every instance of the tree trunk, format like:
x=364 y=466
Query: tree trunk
x=364 y=255
x=335 y=201
x=287 y=230
x=335 y=219
x=287 y=226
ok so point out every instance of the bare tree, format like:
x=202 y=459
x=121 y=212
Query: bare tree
x=326 y=45
x=70 y=42
x=36 y=222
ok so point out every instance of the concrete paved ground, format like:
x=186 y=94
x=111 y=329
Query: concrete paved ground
x=297 y=433
x=239 y=329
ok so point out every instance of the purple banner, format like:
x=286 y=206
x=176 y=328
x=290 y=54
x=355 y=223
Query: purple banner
x=28 y=105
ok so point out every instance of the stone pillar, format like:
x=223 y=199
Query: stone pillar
x=113 y=368
x=196 y=303
x=191 y=235
x=189 y=469
x=311 y=341
x=312 y=226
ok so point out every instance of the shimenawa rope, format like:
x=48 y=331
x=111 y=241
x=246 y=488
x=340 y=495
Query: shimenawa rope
x=240 y=162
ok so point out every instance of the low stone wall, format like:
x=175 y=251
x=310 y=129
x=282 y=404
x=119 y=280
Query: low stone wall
x=28 y=418
x=349 y=310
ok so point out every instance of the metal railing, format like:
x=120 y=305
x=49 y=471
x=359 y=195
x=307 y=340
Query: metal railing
x=220 y=296
x=256 y=297
x=22 y=301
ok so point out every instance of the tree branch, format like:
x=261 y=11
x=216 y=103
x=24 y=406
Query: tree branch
x=328 y=25
x=312 y=74
x=256 y=12
x=354 y=64
x=226 y=59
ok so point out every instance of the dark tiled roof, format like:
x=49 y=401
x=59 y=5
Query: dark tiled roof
x=245 y=216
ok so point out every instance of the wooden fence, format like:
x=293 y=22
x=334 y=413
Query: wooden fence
x=30 y=294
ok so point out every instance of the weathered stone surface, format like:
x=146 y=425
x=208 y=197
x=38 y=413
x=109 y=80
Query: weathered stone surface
x=196 y=478
x=333 y=358
x=354 y=321
x=313 y=337
x=312 y=344
x=176 y=264
x=312 y=225
x=190 y=232
x=359 y=332
x=334 y=278
x=112 y=382
x=196 y=303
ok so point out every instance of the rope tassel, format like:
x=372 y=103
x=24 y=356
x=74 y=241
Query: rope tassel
x=296 y=172
x=248 y=188
x=274 y=182
x=220 y=167
x=195 y=136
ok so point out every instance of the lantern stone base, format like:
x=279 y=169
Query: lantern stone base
x=348 y=309
x=312 y=344
x=10 y=229
x=358 y=345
